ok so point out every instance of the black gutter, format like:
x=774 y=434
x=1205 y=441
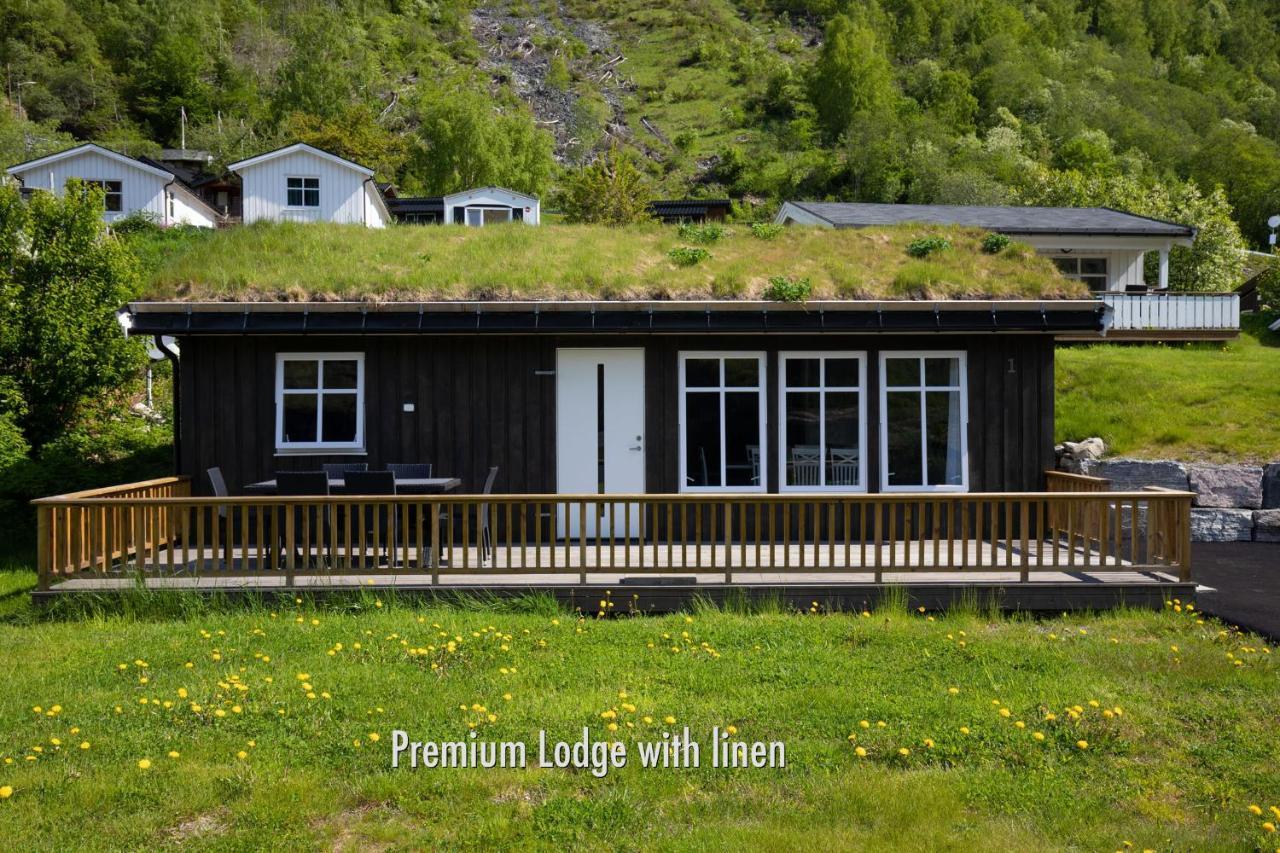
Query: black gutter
x=177 y=401
x=419 y=320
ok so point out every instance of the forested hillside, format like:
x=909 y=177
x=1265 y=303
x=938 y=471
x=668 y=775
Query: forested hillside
x=1146 y=104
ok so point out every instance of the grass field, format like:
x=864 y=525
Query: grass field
x=312 y=261
x=1201 y=401
x=242 y=727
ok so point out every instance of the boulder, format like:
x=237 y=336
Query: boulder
x=1226 y=485
x=1131 y=475
x=1090 y=448
x=1271 y=486
x=1221 y=525
x=1266 y=525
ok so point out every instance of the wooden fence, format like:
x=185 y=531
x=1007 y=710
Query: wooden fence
x=157 y=528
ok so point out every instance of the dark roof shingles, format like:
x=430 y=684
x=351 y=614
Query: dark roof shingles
x=1008 y=220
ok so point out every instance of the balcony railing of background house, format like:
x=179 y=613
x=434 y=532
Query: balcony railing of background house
x=157 y=529
x=1184 y=312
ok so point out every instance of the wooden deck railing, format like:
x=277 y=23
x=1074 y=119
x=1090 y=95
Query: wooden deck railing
x=134 y=529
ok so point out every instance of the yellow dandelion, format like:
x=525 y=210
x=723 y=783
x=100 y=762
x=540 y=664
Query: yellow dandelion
x=1005 y=712
x=864 y=724
x=6 y=791
x=1082 y=744
x=144 y=764
x=1256 y=809
x=84 y=744
x=242 y=755
x=1038 y=735
x=964 y=730
x=669 y=720
x=732 y=730
x=903 y=751
x=953 y=690
x=173 y=753
x=375 y=737
x=861 y=752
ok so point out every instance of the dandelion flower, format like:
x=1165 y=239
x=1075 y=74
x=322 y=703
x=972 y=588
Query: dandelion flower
x=1005 y=712
x=861 y=752
x=1083 y=744
x=173 y=753
x=953 y=690
x=375 y=737
x=1269 y=826
x=964 y=730
x=864 y=724
x=242 y=755
x=1020 y=724
x=6 y=791
x=84 y=745
x=928 y=742
x=1256 y=809
x=1038 y=735
x=732 y=730
x=669 y=720
x=144 y=764
x=903 y=751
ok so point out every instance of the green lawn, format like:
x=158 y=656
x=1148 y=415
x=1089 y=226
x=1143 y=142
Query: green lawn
x=259 y=727
x=1202 y=401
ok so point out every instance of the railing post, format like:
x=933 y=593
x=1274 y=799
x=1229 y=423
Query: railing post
x=44 y=554
x=1184 y=539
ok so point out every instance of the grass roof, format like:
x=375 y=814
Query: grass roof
x=317 y=262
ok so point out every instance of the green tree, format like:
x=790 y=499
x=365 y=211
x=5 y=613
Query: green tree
x=1247 y=167
x=62 y=277
x=851 y=75
x=467 y=140
x=353 y=133
x=609 y=191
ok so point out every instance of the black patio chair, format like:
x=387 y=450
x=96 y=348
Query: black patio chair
x=486 y=539
x=376 y=523
x=231 y=523
x=410 y=470
x=339 y=470
x=312 y=518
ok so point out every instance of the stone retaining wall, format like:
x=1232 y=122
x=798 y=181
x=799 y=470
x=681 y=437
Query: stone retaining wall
x=1233 y=503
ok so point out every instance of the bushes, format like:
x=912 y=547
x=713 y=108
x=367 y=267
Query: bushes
x=926 y=246
x=1269 y=285
x=786 y=289
x=694 y=233
x=687 y=256
x=765 y=230
x=994 y=244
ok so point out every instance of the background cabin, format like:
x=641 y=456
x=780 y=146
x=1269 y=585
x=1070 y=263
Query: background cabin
x=302 y=183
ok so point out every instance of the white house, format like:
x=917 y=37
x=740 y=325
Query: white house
x=1102 y=247
x=303 y=183
x=130 y=185
x=488 y=205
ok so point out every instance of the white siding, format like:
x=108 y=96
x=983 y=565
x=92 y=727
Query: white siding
x=342 y=190
x=187 y=212
x=141 y=190
x=375 y=211
x=1124 y=267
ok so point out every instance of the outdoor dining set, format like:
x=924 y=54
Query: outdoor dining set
x=364 y=533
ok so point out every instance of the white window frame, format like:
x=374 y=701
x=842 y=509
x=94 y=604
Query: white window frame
x=319 y=392
x=821 y=390
x=761 y=389
x=103 y=184
x=963 y=388
x=467 y=208
x=1082 y=276
x=303 y=190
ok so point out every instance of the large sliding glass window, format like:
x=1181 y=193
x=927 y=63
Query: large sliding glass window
x=924 y=418
x=823 y=421
x=722 y=422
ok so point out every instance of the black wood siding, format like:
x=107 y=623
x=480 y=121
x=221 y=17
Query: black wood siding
x=491 y=401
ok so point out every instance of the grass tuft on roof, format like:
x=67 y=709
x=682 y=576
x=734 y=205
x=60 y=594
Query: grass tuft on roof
x=320 y=262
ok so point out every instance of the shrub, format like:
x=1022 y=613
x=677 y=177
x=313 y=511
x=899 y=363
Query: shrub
x=765 y=230
x=926 y=246
x=694 y=233
x=1269 y=285
x=783 y=288
x=687 y=256
x=994 y=244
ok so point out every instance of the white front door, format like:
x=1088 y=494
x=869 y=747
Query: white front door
x=600 y=434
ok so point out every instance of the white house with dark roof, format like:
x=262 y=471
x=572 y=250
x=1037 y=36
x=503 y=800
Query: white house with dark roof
x=490 y=206
x=302 y=183
x=130 y=185
x=1103 y=248
x=1100 y=246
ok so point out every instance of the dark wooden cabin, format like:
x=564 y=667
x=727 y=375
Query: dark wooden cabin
x=625 y=397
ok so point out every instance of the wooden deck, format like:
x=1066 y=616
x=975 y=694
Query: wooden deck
x=1064 y=546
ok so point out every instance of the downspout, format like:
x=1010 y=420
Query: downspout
x=168 y=201
x=177 y=401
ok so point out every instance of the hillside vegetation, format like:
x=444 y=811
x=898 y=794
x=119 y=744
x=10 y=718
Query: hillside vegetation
x=310 y=261
x=1143 y=104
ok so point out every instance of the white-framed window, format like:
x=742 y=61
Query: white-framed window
x=320 y=401
x=924 y=420
x=822 y=421
x=113 y=194
x=722 y=422
x=1091 y=271
x=302 y=192
x=479 y=216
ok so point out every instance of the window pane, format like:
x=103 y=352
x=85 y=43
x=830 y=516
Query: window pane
x=1095 y=282
x=904 y=438
x=1093 y=266
x=340 y=374
x=803 y=455
x=702 y=373
x=1067 y=266
x=902 y=371
x=742 y=372
x=294 y=183
x=842 y=372
x=339 y=417
x=299 y=417
x=803 y=372
x=942 y=371
x=311 y=183
x=311 y=198
x=844 y=457
x=742 y=437
x=301 y=374
x=942 y=410
x=702 y=439
x=295 y=197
